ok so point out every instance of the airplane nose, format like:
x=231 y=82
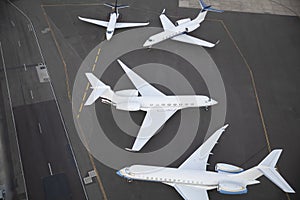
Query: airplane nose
x=119 y=173
x=146 y=44
x=108 y=36
x=212 y=102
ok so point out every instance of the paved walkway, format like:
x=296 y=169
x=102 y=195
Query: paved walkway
x=277 y=7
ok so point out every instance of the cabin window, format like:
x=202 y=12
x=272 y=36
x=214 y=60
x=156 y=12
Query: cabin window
x=163 y=104
x=169 y=104
x=175 y=104
x=151 y=104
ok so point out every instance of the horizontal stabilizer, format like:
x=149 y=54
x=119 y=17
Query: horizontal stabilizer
x=99 y=89
x=115 y=6
x=109 y=5
x=95 y=82
x=276 y=178
x=267 y=167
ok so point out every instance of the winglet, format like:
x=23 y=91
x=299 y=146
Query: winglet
x=131 y=150
x=163 y=12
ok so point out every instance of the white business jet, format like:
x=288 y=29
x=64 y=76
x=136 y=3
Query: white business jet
x=159 y=107
x=178 y=32
x=112 y=24
x=191 y=180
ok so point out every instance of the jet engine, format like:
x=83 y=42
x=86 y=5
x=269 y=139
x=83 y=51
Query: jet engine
x=129 y=106
x=231 y=188
x=127 y=93
x=227 y=168
x=182 y=21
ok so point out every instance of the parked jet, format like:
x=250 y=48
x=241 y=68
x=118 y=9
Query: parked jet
x=178 y=31
x=191 y=180
x=112 y=24
x=159 y=107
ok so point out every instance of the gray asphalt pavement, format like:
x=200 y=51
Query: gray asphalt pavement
x=265 y=45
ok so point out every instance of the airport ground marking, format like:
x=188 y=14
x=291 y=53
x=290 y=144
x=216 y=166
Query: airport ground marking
x=100 y=183
x=254 y=88
x=14 y=122
x=60 y=54
x=88 y=84
x=83 y=136
x=253 y=85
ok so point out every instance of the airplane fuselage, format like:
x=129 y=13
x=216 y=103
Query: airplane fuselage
x=146 y=103
x=111 y=25
x=203 y=179
x=170 y=33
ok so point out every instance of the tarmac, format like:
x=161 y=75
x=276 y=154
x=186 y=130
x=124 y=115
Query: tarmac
x=257 y=58
x=276 y=7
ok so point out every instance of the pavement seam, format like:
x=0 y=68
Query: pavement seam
x=101 y=186
x=254 y=88
x=83 y=136
x=60 y=54
x=253 y=85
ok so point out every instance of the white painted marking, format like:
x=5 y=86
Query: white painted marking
x=12 y=23
x=50 y=169
x=13 y=120
x=19 y=43
x=31 y=94
x=56 y=102
x=40 y=128
x=29 y=27
x=25 y=68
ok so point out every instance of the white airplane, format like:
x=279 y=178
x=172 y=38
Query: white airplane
x=178 y=32
x=112 y=24
x=191 y=180
x=159 y=107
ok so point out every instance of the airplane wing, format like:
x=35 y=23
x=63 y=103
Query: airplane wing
x=94 y=21
x=141 y=85
x=198 y=160
x=166 y=23
x=153 y=120
x=126 y=25
x=191 y=192
x=193 y=40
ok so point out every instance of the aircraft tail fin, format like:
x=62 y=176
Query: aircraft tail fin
x=109 y=5
x=205 y=7
x=267 y=167
x=116 y=6
x=99 y=89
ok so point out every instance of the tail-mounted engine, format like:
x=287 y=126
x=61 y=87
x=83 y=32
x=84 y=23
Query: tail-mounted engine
x=127 y=93
x=231 y=188
x=182 y=21
x=227 y=168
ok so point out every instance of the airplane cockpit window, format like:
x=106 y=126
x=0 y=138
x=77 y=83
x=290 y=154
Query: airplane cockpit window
x=150 y=40
x=127 y=170
x=109 y=32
